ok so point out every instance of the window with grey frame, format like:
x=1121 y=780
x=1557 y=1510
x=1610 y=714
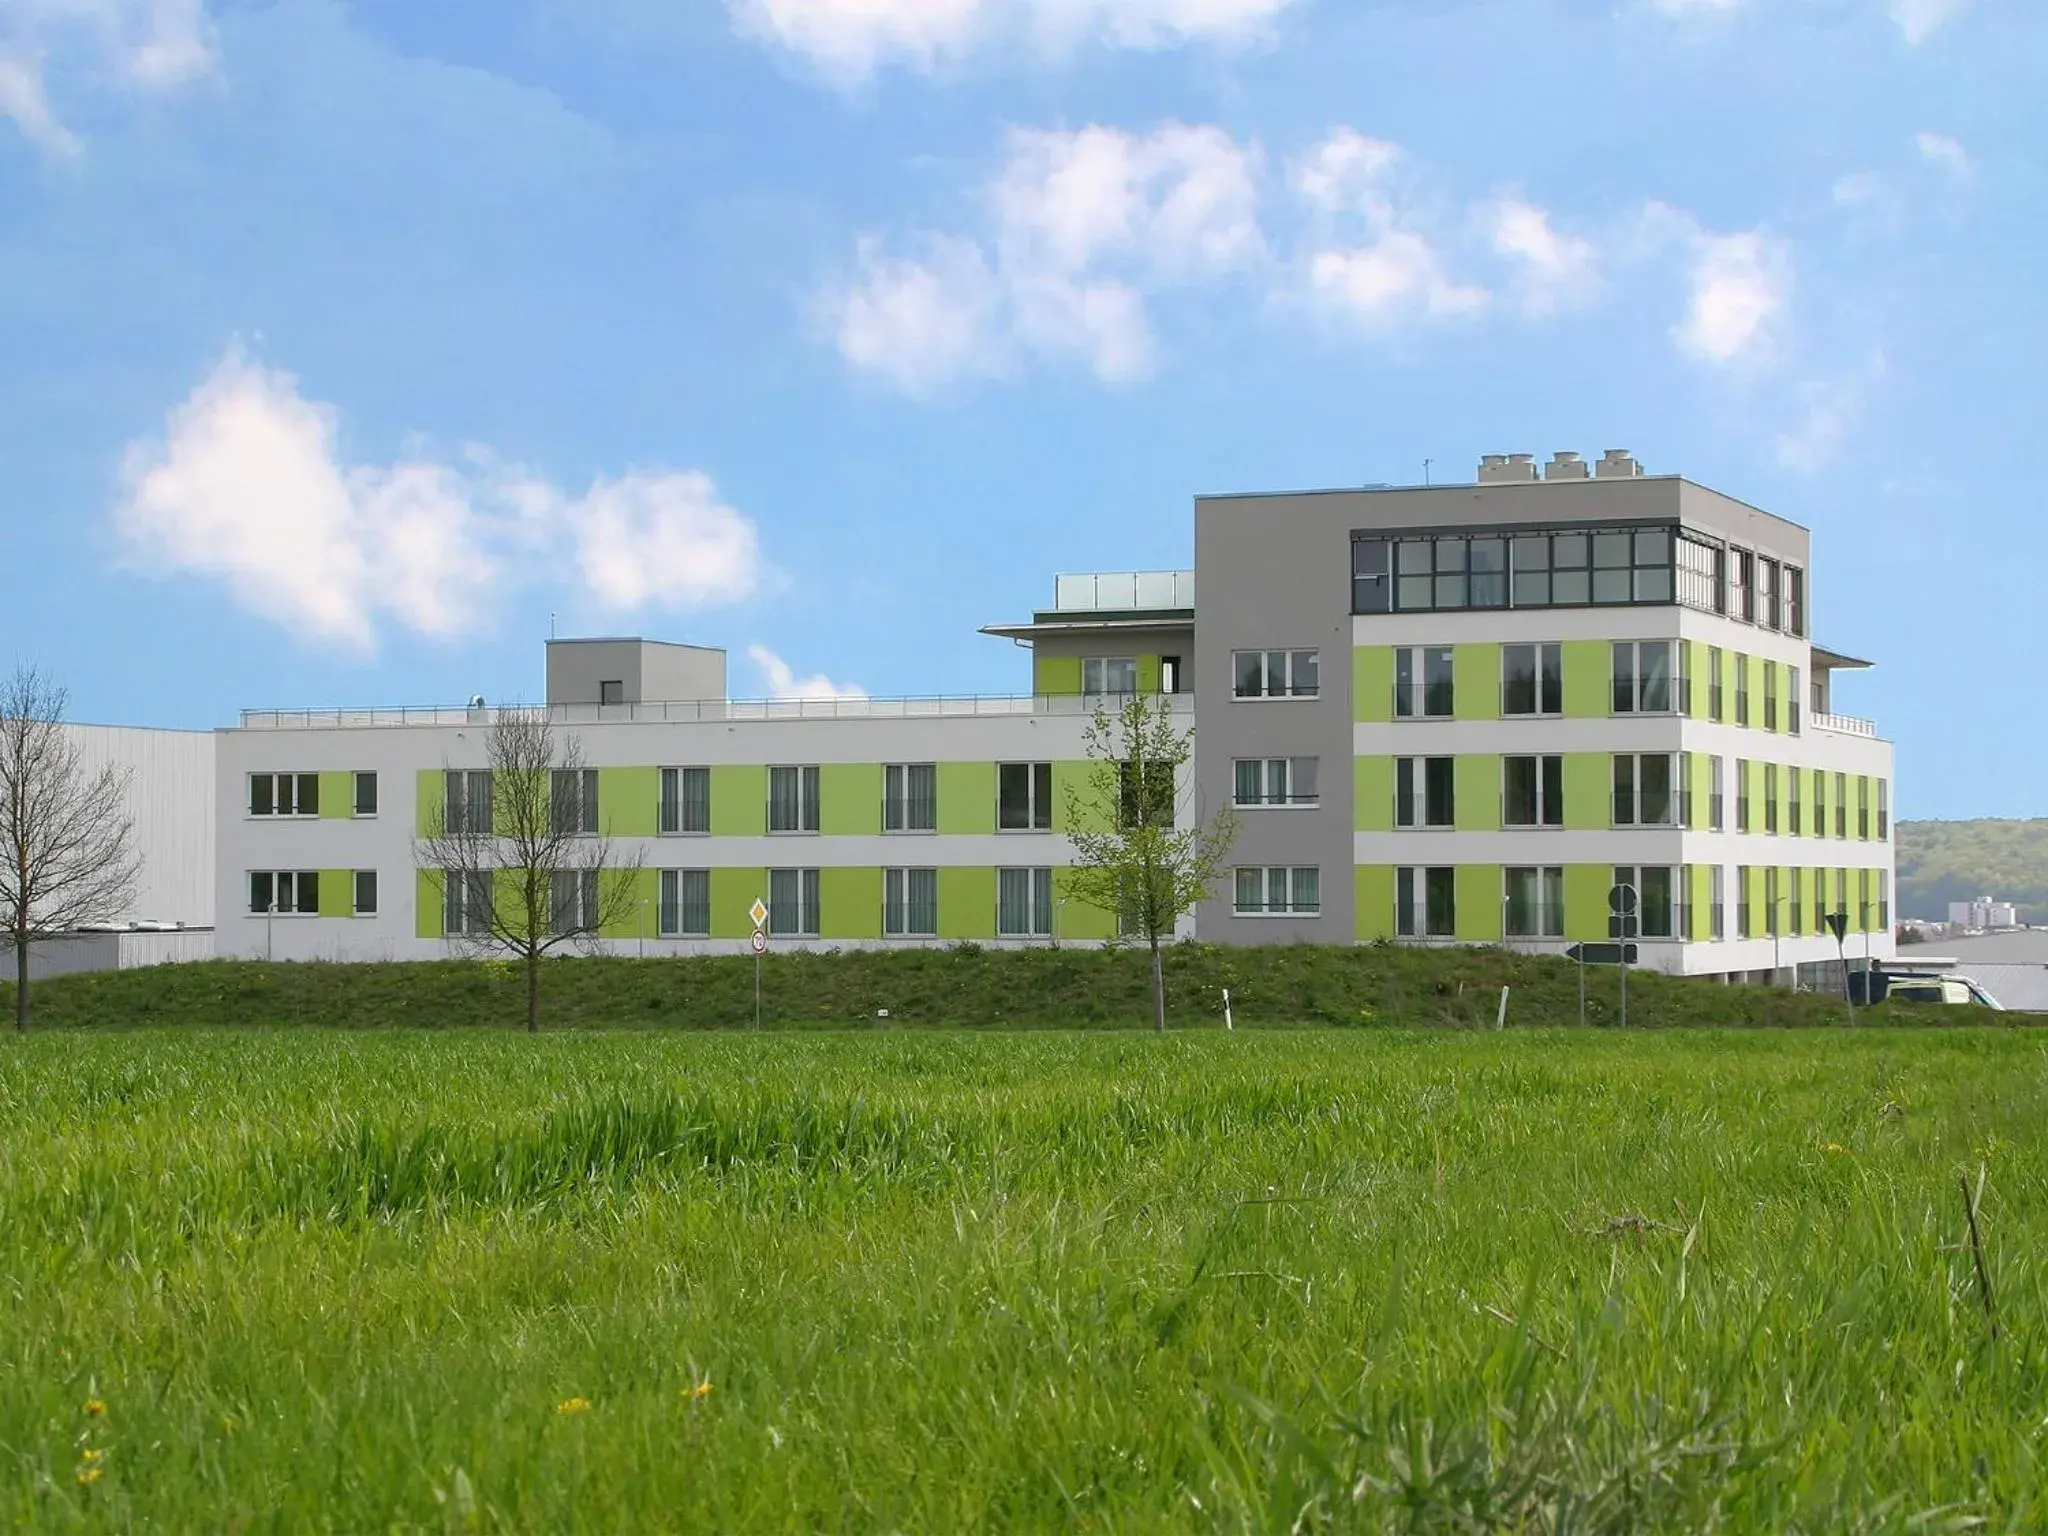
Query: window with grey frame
x=1795 y=601
x=1532 y=679
x=572 y=901
x=1792 y=701
x=1716 y=699
x=364 y=895
x=1771 y=799
x=1646 y=678
x=1644 y=790
x=466 y=903
x=573 y=802
x=1426 y=902
x=466 y=802
x=1770 y=695
x=365 y=800
x=1268 y=781
x=1111 y=676
x=1425 y=791
x=1659 y=900
x=1717 y=902
x=1741 y=689
x=1795 y=811
x=1024 y=797
x=685 y=802
x=1741 y=595
x=793 y=903
x=910 y=903
x=1534 y=902
x=1841 y=805
x=1884 y=810
x=1742 y=821
x=1291 y=891
x=1424 y=682
x=1528 y=568
x=683 y=904
x=284 y=893
x=910 y=797
x=1699 y=575
x=793 y=799
x=1717 y=804
x=1768 y=615
x=1024 y=903
x=1276 y=674
x=1532 y=791
x=284 y=794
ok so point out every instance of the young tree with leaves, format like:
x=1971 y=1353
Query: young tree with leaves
x=517 y=857
x=65 y=835
x=1141 y=847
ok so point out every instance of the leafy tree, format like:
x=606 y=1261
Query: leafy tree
x=1141 y=848
x=65 y=854
x=515 y=854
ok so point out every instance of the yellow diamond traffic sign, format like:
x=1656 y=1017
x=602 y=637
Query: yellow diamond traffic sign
x=758 y=912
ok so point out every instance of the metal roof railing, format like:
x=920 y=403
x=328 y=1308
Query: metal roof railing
x=1107 y=591
x=1842 y=725
x=689 y=711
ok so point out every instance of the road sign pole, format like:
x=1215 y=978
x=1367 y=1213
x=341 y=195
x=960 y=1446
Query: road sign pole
x=1624 y=973
x=757 y=989
x=1582 y=989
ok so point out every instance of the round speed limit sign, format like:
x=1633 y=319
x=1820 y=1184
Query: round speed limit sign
x=760 y=942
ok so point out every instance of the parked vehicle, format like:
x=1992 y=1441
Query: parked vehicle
x=1918 y=981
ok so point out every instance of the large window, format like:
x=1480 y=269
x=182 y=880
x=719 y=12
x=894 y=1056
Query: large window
x=1024 y=797
x=1532 y=680
x=365 y=893
x=1659 y=906
x=1770 y=695
x=1532 y=791
x=284 y=892
x=1862 y=808
x=1741 y=689
x=1426 y=903
x=793 y=799
x=1884 y=810
x=1716 y=796
x=1795 y=906
x=572 y=901
x=1742 y=822
x=466 y=903
x=1795 y=812
x=466 y=802
x=1644 y=790
x=284 y=794
x=1795 y=600
x=1715 y=699
x=685 y=800
x=1145 y=800
x=1841 y=805
x=1717 y=899
x=910 y=797
x=1699 y=575
x=1535 y=903
x=1771 y=798
x=366 y=794
x=1644 y=677
x=1792 y=700
x=573 y=801
x=1424 y=791
x=793 y=903
x=1745 y=919
x=1024 y=903
x=684 y=908
x=910 y=903
x=1423 y=682
x=1773 y=900
x=1767 y=612
x=1741 y=596
x=1276 y=674
x=1262 y=781
x=1277 y=892
x=1109 y=675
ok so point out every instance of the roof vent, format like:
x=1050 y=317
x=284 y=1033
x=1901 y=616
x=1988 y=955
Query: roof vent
x=1506 y=468
x=1615 y=464
x=1565 y=465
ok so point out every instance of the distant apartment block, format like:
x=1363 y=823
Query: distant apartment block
x=1983 y=915
x=1455 y=714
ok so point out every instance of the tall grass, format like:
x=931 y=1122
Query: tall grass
x=1549 y=1281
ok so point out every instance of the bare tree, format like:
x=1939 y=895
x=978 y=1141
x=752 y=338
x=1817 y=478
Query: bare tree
x=1141 y=848
x=516 y=855
x=65 y=855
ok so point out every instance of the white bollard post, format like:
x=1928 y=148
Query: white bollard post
x=1501 y=1021
x=1226 y=1010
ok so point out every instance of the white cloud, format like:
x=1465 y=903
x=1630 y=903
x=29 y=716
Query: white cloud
x=1830 y=410
x=153 y=44
x=1082 y=228
x=1739 y=286
x=1859 y=188
x=1398 y=275
x=848 y=40
x=1944 y=153
x=247 y=486
x=1921 y=19
x=1696 y=7
x=1347 y=172
x=783 y=683
x=1556 y=268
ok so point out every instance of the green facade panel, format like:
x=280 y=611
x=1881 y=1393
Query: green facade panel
x=427 y=804
x=1073 y=917
x=1588 y=679
x=733 y=892
x=1374 y=885
x=967 y=798
x=1588 y=791
x=1074 y=780
x=639 y=916
x=1585 y=901
x=850 y=799
x=1148 y=674
x=1477 y=780
x=1373 y=794
x=1479 y=903
x=850 y=903
x=1693 y=698
x=1700 y=766
x=337 y=891
x=1055 y=675
x=629 y=801
x=967 y=903
x=1372 y=684
x=1699 y=887
x=337 y=796
x=739 y=801
x=1475 y=682
x=426 y=904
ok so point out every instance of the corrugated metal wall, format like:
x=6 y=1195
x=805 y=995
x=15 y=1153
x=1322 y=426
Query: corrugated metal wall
x=171 y=798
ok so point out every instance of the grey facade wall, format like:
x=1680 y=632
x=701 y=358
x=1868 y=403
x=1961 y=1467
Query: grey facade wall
x=649 y=671
x=171 y=803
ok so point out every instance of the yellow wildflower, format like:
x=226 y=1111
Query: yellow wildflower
x=92 y=1456
x=573 y=1405
x=87 y=1476
x=1834 y=1147
x=95 y=1407
x=701 y=1390
x=227 y=1425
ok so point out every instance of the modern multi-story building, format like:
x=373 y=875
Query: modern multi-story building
x=1446 y=714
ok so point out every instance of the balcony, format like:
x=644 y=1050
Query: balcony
x=1843 y=725
x=1112 y=591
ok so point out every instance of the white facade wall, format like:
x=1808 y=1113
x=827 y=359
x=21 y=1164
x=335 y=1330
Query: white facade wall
x=171 y=802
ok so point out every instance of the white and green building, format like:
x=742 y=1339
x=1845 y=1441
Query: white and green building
x=1447 y=714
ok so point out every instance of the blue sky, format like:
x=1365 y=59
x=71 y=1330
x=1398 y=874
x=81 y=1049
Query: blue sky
x=343 y=345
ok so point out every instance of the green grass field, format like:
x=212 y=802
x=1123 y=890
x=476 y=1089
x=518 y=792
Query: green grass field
x=923 y=1281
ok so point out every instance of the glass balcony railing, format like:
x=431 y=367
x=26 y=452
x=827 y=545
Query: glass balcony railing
x=1107 y=591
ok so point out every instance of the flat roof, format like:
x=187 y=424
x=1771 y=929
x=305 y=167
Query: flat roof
x=1496 y=485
